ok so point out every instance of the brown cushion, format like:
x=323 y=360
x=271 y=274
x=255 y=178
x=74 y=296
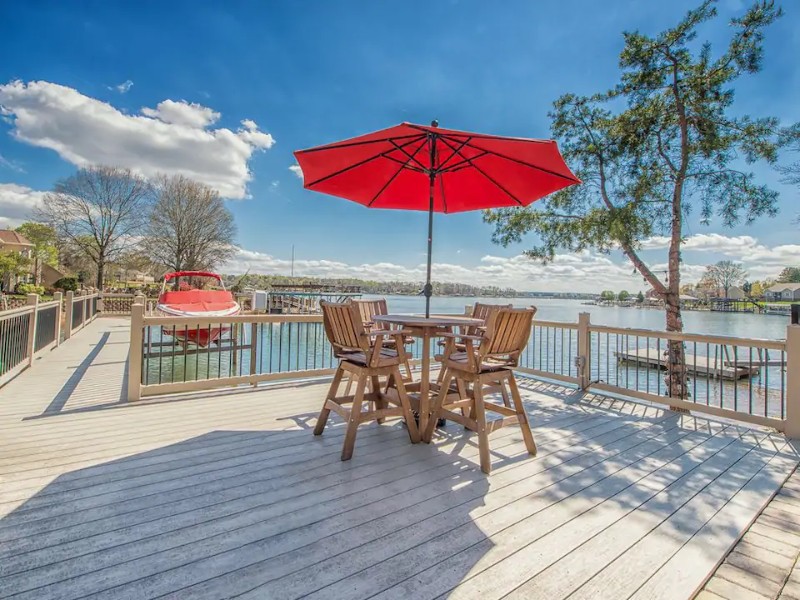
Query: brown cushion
x=359 y=358
x=489 y=364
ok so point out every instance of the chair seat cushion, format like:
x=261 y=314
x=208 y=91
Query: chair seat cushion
x=388 y=356
x=489 y=364
x=390 y=343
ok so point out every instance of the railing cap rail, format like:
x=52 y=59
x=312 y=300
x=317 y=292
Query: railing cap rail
x=250 y=318
x=12 y=312
x=692 y=337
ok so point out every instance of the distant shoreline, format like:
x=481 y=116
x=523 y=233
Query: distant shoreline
x=554 y=296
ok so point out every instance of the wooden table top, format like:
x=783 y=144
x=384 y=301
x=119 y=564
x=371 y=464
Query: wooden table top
x=435 y=321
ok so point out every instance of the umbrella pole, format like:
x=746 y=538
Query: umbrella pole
x=432 y=178
x=428 y=290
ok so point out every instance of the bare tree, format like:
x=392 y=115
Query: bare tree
x=190 y=227
x=99 y=210
x=724 y=275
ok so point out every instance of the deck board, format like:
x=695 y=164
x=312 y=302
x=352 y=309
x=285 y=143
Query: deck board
x=227 y=494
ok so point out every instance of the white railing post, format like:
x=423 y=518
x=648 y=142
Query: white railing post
x=140 y=298
x=68 y=316
x=583 y=361
x=33 y=301
x=100 y=302
x=135 y=353
x=57 y=296
x=793 y=381
x=84 y=316
x=254 y=349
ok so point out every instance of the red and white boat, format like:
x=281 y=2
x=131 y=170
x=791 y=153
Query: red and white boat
x=191 y=301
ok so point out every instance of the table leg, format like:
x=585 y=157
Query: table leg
x=425 y=381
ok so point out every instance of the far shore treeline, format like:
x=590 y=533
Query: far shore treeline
x=398 y=288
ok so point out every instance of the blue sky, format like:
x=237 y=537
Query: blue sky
x=304 y=73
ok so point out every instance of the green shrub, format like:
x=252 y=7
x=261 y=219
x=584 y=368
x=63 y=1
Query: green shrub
x=67 y=284
x=30 y=288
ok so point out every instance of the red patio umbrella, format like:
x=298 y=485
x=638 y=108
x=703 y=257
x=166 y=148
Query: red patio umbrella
x=414 y=167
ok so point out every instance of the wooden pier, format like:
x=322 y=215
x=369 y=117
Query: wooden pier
x=695 y=365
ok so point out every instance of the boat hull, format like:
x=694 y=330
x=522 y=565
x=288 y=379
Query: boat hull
x=199 y=336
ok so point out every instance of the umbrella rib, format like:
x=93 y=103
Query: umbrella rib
x=482 y=172
x=410 y=156
x=364 y=143
x=441 y=168
x=444 y=200
x=485 y=174
x=460 y=165
x=406 y=165
x=392 y=178
x=527 y=164
x=358 y=164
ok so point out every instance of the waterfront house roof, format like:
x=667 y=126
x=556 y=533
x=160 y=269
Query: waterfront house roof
x=779 y=287
x=12 y=238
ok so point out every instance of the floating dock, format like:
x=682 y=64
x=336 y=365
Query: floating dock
x=695 y=365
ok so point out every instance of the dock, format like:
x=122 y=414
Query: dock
x=695 y=365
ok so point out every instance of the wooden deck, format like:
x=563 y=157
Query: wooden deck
x=221 y=495
x=695 y=365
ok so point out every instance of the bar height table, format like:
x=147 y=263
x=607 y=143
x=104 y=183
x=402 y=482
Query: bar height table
x=426 y=328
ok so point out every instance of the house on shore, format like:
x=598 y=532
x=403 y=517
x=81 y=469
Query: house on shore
x=11 y=241
x=782 y=291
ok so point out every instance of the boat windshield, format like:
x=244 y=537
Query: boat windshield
x=186 y=283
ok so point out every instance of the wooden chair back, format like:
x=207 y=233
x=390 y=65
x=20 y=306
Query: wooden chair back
x=484 y=312
x=367 y=309
x=344 y=327
x=507 y=334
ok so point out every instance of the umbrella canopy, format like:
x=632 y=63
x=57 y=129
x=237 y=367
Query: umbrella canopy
x=414 y=167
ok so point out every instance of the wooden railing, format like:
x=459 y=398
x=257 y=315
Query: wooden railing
x=745 y=379
x=80 y=310
x=250 y=349
x=751 y=380
x=39 y=326
x=26 y=332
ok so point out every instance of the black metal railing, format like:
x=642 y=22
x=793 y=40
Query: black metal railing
x=747 y=376
x=552 y=349
x=172 y=353
x=727 y=376
x=46 y=327
x=76 y=318
x=14 y=341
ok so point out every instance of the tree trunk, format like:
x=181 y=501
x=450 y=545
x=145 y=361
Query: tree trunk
x=101 y=266
x=676 y=380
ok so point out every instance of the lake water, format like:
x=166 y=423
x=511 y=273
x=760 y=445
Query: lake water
x=551 y=309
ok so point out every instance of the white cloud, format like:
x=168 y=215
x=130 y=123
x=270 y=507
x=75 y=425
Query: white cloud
x=742 y=248
x=16 y=204
x=573 y=272
x=183 y=113
x=297 y=171
x=123 y=87
x=708 y=242
x=582 y=272
x=175 y=137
